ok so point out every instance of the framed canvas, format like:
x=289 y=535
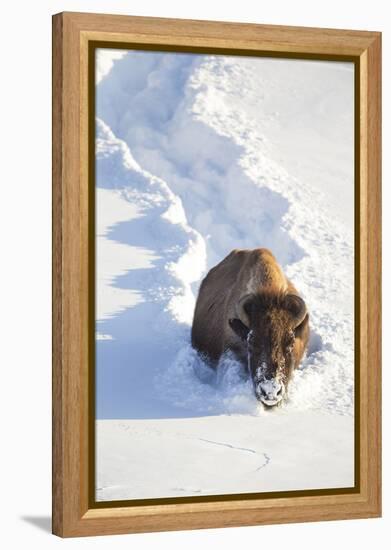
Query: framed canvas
x=216 y=274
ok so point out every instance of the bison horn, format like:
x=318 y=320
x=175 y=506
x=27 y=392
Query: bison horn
x=242 y=310
x=296 y=307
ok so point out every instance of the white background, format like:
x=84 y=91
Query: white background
x=25 y=286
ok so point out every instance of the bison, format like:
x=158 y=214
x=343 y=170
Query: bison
x=248 y=306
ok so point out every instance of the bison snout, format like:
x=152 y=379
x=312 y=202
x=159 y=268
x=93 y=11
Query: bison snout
x=270 y=392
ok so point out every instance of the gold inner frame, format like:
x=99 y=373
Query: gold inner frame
x=92 y=47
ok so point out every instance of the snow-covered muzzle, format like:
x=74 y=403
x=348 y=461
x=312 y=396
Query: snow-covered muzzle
x=269 y=391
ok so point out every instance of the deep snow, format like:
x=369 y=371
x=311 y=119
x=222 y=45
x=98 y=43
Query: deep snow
x=197 y=155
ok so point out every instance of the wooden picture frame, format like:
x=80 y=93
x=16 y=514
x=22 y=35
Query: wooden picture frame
x=73 y=164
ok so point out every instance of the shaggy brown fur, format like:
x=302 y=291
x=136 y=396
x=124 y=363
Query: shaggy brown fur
x=247 y=305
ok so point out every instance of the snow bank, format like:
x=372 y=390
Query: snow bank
x=147 y=259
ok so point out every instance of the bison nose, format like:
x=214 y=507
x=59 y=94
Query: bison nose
x=270 y=392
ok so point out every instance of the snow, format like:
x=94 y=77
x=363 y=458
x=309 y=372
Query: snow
x=105 y=61
x=198 y=155
x=228 y=457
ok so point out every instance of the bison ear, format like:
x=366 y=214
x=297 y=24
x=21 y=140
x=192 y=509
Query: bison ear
x=244 y=308
x=296 y=307
x=239 y=328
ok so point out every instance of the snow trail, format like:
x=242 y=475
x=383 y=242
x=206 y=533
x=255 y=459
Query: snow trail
x=327 y=242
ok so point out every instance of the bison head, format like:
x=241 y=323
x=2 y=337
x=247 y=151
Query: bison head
x=269 y=324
